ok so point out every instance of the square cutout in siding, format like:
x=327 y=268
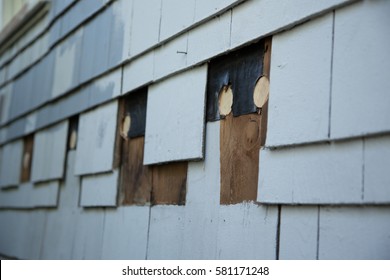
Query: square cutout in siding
x=135 y=178
x=73 y=132
x=142 y=184
x=237 y=94
x=239 y=70
x=28 y=143
x=170 y=183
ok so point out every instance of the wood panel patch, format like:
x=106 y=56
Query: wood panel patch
x=240 y=141
x=241 y=134
x=136 y=178
x=28 y=143
x=170 y=183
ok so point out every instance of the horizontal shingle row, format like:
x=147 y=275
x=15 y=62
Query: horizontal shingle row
x=186 y=49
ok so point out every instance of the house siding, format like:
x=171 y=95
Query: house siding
x=323 y=180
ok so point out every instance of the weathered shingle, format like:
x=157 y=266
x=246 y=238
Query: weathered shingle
x=361 y=80
x=49 y=153
x=175 y=118
x=11 y=163
x=99 y=190
x=96 y=138
x=300 y=84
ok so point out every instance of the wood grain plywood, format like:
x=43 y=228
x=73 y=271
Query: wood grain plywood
x=240 y=142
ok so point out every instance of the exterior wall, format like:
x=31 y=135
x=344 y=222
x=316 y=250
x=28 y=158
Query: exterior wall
x=323 y=177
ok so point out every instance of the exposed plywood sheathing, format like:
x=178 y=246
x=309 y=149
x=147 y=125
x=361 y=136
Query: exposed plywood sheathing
x=239 y=144
x=142 y=184
x=242 y=135
x=136 y=178
x=169 y=183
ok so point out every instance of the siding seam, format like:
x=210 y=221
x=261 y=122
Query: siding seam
x=318 y=233
x=148 y=233
x=331 y=75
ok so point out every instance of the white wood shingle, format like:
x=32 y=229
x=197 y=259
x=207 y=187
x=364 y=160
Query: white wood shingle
x=6 y=92
x=175 y=118
x=120 y=31
x=67 y=57
x=145 y=26
x=99 y=190
x=29 y=195
x=166 y=232
x=17 y=197
x=202 y=201
x=176 y=15
x=16 y=225
x=125 y=233
x=298 y=233
x=61 y=224
x=314 y=174
x=96 y=139
x=300 y=84
x=88 y=235
x=138 y=72
x=49 y=153
x=360 y=97
x=45 y=194
x=236 y=226
x=255 y=19
x=170 y=57
x=206 y=8
x=11 y=163
x=209 y=39
x=353 y=233
x=377 y=170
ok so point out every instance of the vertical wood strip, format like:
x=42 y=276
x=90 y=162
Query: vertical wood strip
x=136 y=178
x=266 y=72
x=170 y=183
x=240 y=140
x=118 y=139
